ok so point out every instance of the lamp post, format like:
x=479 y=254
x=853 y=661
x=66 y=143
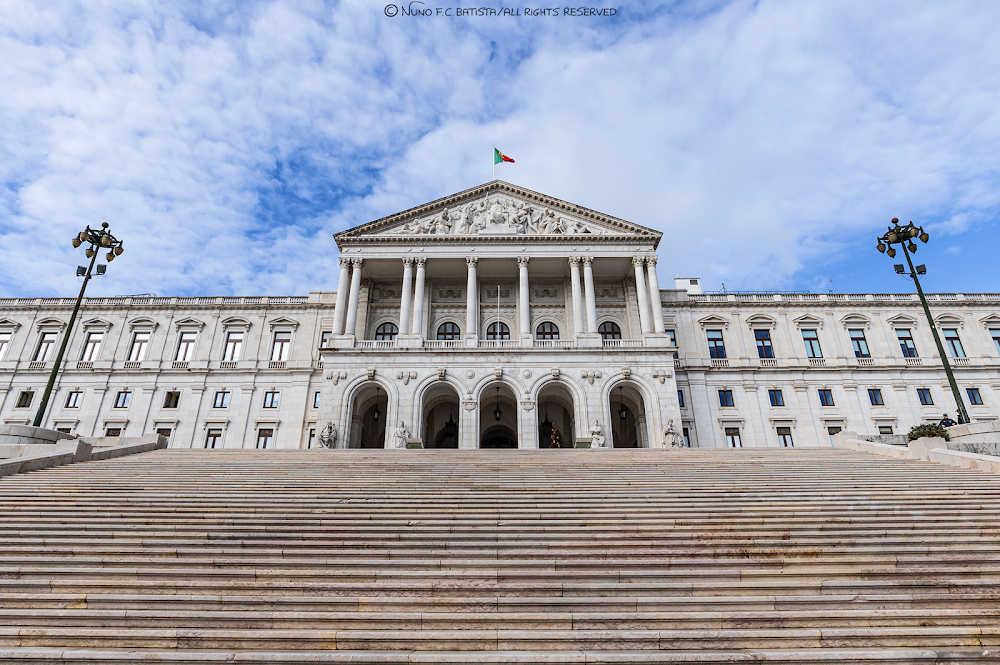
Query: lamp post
x=902 y=234
x=99 y=240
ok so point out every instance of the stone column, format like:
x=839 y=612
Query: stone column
x=640 y=292
x=351 y=321
x=471 y=300
x=404 y=305
x=343 y=287
x=654 y=294
x=522 y=264
x=574 y=278
x=418 y=299
x=588 y=283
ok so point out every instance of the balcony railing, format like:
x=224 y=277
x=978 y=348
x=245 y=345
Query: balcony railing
x=277 y=364
x=180 y=364
x=133 y=364
x=443 y=344
x=960 y=362
x=866 y=362
x=768 y=362
x=85 y=364
x=817 y=362
x=555 y=343
x=720 y=362
x=621 y=343
x=37 y=364
x=914 y=362
x=228 y=364
x=374 y=343
x=499 y=344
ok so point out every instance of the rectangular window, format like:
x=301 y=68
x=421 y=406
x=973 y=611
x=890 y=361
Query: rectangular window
x=811 y=339
x=271 y=400
x=859 y=343
x=171 y=400
x=906 y=343
x=45 y=343
x=64 y=430
x=113 y=431
x=953 y=343
x=764 y=349
x=234 y=346
x=825 y=397
x=726 y=398
x=785 y=437
x=185 y=346
x=74 y=399
x=875 y=397
x=316 y=400
x=312 y=437
x=265 y=438
x=687 y=437
x=885 y=429
x=325 y=338
x=716 y=346
x=164 y=432
x=5 y=344
x=24 y=399
x=831 y=431
x=974 y=397
x=680 y=398
x=733 y=437
x=282 y=342
x=221 y=400
x=994 y=333
x=777 y=399
x=924 y=394
x=122 y=399
x=139 y=345
x=214 y=438
x=92 y=346
x=673 y=340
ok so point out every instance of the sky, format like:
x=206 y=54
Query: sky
x=226 y=142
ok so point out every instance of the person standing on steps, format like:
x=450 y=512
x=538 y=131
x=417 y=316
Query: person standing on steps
x=946 y=421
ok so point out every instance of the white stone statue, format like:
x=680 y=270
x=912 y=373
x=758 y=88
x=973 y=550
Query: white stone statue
x=328 y=437
x=400 y=436
x=596 y=438
x=671 y=437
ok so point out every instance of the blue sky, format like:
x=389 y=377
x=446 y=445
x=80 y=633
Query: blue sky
x=226 y=142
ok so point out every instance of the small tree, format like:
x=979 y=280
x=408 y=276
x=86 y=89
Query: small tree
x=932 y=429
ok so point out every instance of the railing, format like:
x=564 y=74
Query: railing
x=133 y=364
x=374 y=343
x=499 y=344
x=768 y=362
x=443 y=343
x=85 y=364
x=677 y=363
x=720 y=362
x=180 y=364
x=277 y=364
x=37 y=364
x=228 y=364
x=555 y=343
x=622 y=343
x=914 y=362
x=817 y=362
x=866 y=362
x=960 y=362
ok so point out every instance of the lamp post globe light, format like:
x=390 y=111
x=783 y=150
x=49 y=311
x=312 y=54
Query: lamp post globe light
x=99 y=240
x=904 y=236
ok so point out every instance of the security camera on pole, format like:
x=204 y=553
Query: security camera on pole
x=904 y=235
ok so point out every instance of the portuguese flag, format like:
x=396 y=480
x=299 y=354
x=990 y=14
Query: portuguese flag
x=499 y=157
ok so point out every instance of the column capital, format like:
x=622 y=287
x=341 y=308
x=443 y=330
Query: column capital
x=651 y=260
x=358 y=261
x=574 y=260
x=638 y=261
x=421 y=262
x=471 y=261
x=408 y=260
x=588 y=260
x=522 y=261
x=345 y=262
x=367 y=282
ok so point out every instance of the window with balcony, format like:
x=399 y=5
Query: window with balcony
x=859 y=343
x=221 y=400
x=5 y=344
x=386 y=332
x=24 y=399
x=234 y=346
x=609 y=330
x=811 y=340
x=825 y=397
x=547 y=330
x=74 y=399
x=716 y=346
x=673 y=340
x=875 y=397
x=975 y=398
x=497 y=330
x=214 y=438
x=265 y=438
x=764 y=348
x=123 y=399
x=92 y=346
x=449 y=331
x=282 y=343
x=185 y=346
x=924 y=395
x=953 y=342
x=271 y=399
x=726 y=398
x=906 y=343
x=45 y=343
x=171 y=399
x=777 y=399
x=733 y=437
x=785 y=437
x=140 y=344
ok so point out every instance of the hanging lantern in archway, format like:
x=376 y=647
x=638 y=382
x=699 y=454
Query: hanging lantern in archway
x=450 y=427
x=622 y=412
x=497 y=412
x=375 y=412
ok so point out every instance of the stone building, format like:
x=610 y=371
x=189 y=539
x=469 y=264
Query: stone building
x=499 y=317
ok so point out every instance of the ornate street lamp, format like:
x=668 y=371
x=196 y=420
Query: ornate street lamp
x=904 y=236
x=450 y=427
x=98 y=240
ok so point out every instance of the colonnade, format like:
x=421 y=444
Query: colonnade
x=411 y=308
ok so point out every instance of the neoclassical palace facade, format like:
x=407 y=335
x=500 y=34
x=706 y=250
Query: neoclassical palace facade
x=499 y=317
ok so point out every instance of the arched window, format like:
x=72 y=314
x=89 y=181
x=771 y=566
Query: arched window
x=609 y=330
x=449 y=331
x=497 y=330
x=547 y=330
x=386 y=331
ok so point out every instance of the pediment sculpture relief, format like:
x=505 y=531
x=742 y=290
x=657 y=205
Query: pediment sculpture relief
x=497 y=215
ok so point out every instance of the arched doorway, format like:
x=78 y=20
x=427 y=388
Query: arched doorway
x=628 y=417
x=556 y=416
x=441 y=416
x=497 y=417
x=369 y=416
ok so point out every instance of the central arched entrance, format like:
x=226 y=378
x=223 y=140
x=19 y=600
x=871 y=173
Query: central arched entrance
x=369 y=416
x=628 y=417
x=556 y=419
x=497 y=417
x=441 y=424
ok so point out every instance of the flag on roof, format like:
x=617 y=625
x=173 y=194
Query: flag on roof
x=500 y=157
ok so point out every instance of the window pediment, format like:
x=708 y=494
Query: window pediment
x=808 y=321
x=949 y=319
x=991 y=321
x=902 y=321
x=283 y=323
x=236 y=323
x=8 y=325
x=142 y=323
x=856 y=321
x=713 y=321
x=189 y=323
x=761 y=321
x=97 y=323
x=50 y=323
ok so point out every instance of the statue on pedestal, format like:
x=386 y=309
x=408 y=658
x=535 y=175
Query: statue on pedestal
x=400 y=436
x=671 y=437
x=596 y=438
x=328 y=437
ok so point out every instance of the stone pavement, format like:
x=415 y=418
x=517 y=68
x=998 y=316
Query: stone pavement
x=520 y=556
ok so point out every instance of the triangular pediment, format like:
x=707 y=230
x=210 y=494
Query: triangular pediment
x=497 y=211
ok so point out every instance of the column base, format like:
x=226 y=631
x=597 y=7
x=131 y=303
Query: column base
x=589 y=341
x=655 y=340
x=472 y=341
x=527 y=340
x=342 y=342
x=409 y=341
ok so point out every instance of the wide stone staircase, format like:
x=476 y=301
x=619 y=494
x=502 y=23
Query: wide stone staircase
x=553 y=556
